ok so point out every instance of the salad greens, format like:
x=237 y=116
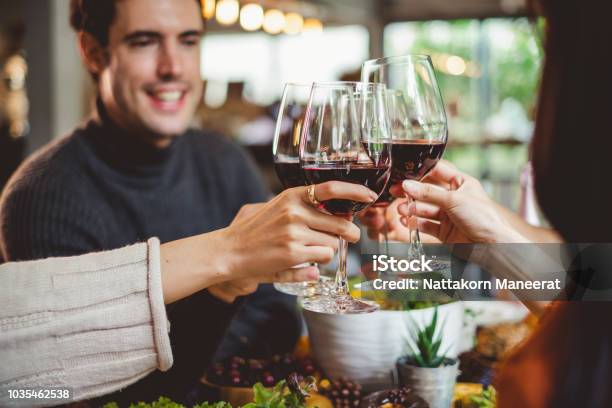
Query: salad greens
x=288 y=393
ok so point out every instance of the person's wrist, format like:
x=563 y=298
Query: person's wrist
x=228 y=255
x=219 y=293
x=509 y=235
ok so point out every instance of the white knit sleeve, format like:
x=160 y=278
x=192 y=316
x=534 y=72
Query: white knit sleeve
x=93 y=323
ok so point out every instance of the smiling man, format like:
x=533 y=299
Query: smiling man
x=135 y=170
x=149 y=74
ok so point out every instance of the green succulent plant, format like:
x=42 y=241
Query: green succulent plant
x=428 y=344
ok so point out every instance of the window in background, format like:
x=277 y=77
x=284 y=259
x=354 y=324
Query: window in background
x=488 y=72
x=264 y=63
x=245 y=74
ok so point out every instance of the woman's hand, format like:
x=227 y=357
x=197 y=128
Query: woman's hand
x=267 y=240
x=262 y=244
x=228 y=291
x=288 y=230
x=454 y=208
x=381 y=220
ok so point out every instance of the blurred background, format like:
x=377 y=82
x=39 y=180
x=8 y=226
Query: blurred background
x=487 y=55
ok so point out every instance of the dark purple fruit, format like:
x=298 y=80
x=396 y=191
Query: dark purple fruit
x=253 y=370
x=342 y=392
x=255 y=365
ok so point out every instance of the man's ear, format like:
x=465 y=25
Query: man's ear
x=95 y=57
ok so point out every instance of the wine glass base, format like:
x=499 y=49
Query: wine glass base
x=339 y=305
x=306 y=289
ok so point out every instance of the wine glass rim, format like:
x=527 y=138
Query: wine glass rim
x=398 y=58
x=299 y=83
x=339 y=84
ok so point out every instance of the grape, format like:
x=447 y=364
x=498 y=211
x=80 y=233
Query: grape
x=247 y=372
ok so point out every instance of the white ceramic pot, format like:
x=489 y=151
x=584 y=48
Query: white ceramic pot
x=365 y=347
x=434 y=385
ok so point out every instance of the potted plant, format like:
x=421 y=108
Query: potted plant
x=427 y=371
x=365 y=347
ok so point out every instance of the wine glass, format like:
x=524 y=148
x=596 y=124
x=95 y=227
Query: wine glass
x=397 y=110
x=345 y=137
x=286 y=153
x=417 y=119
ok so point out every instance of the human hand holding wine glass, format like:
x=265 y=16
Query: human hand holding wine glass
x=345 y=138
x=455 y=208
x=395 y=218
x=283 y=232
x=386 y=223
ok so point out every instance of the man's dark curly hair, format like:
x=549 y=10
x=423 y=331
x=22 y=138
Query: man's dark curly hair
x=94 y=17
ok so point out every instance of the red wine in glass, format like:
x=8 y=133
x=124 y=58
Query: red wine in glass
x=373 y=176
x=411 y=160
x=290 y=173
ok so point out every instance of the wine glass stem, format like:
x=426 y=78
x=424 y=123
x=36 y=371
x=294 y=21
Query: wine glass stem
x=415 y=249
x=386 y=233
x=341 y=289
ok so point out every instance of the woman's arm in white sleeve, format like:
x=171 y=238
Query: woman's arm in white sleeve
x=93 y=323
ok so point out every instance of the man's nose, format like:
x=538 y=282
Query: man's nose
x=169 y=65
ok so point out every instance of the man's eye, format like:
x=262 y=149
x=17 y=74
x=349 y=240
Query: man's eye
x=191 y=41
x=143 y=42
